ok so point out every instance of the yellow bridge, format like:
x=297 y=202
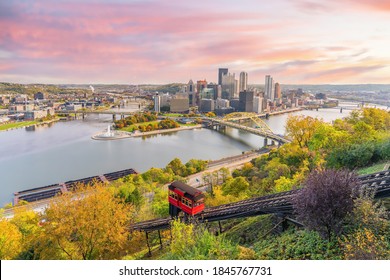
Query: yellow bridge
x=261 y=129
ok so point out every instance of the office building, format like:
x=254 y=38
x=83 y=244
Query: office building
x=246 y=101
x=180 y=105
x=200 y=86
x=222 y=103
x=157 y=103
x=243 y=81
x=269 y=89
x=258 y=104
x=221 y=72
x=235 y=103
x=206 y=105
x=278 y=91
x=229 y=86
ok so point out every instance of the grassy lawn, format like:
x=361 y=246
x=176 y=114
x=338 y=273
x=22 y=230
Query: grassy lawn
x=131 y=127
x=372 y=169
x=16 y=125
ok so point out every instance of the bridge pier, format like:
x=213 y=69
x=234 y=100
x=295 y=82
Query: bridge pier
x=113 y=117
x=265 y=142
x=273 y=143
x=341 y=109
x=83 y=116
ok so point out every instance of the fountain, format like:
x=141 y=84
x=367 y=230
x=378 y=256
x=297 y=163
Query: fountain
x=108 y=133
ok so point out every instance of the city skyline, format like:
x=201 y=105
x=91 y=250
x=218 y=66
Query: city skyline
x=135 y=42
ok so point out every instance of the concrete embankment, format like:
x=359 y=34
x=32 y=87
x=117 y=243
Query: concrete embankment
x=124 y=134
x=162 y=131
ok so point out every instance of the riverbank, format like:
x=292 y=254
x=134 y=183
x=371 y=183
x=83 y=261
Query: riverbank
x=17 y=125
x=163 y=131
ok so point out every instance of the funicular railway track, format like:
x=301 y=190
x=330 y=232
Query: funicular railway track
x=280 y=203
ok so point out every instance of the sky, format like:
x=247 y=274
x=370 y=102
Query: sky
x=155 y=41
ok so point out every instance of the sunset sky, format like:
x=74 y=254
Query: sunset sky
x=151 y=41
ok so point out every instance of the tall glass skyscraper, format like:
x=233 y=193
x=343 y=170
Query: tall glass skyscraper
x=221 y=72
x=269 y=89
x=243 y=81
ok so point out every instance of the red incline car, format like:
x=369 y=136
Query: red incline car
x=183 y=197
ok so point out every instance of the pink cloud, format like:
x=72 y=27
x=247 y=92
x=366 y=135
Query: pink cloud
x=161 y=41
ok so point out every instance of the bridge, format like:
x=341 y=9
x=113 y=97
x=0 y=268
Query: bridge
x=234 y=119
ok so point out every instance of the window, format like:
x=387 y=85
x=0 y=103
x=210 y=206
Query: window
x=173 y=195
x=186 y=202
x=199 y=202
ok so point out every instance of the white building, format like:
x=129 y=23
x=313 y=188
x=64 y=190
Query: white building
x=222 y=103
x=258 y=104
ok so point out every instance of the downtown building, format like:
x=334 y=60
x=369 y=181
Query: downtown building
x=222 y=72
x=269 y=89
x=157 y=103
x=229 y=86
x=243 y=81
x=246 y=101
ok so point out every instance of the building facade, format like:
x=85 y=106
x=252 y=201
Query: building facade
x=269 y=89
x=157 y=103
x=222 y=72
x=229 y=86
x=246 y=101
x=278 y=91
x=243 y=81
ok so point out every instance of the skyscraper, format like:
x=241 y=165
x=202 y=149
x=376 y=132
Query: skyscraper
x=243 y=81
x=221 y=72
x=229 y=86
x=278 y=92
x=157 y=103
x=269 y=89
x=246 y=101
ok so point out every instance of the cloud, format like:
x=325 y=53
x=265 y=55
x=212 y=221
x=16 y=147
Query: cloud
x=340 y=74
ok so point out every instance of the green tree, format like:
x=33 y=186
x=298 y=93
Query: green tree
x=177 y=167
x=238 y=186
x=196 y=243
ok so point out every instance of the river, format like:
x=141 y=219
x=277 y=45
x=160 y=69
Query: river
x=64 y=151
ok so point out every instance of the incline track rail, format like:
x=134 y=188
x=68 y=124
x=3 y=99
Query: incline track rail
x=279 y=203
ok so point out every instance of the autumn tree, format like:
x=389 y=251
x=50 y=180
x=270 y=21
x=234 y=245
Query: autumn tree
x=10 y=240
x=300 y=129
x=177 y=167
x=90 y=224
x=238 y=187
x=326 y=200
x=27 y=223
